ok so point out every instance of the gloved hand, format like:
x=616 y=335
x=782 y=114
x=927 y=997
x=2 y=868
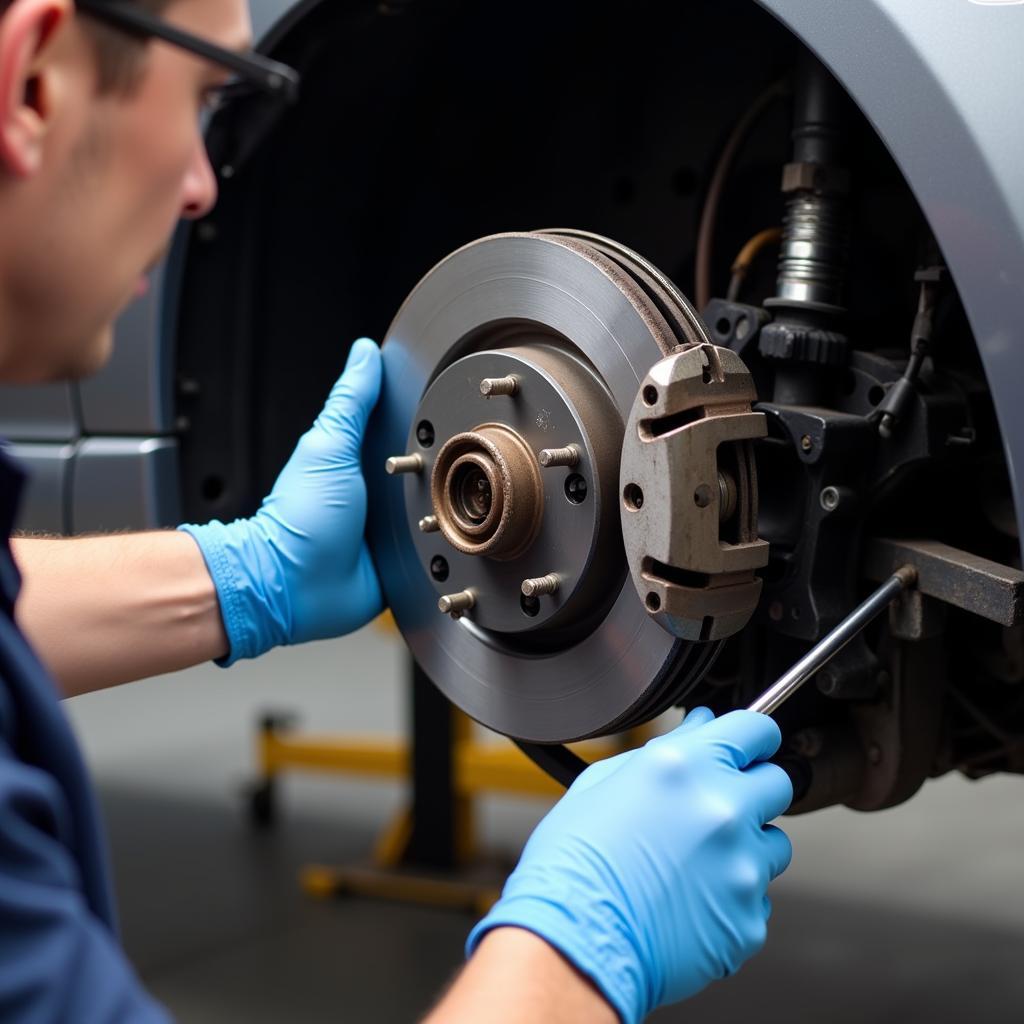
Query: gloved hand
x=300 y=568
x=650 y=874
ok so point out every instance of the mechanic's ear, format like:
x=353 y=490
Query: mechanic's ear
x=27 y=30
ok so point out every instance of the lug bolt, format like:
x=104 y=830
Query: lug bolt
x=491 y=387
x=457 y=604
x=404 y=464
x=541 y=585
x=549 y=458
x=429 y=524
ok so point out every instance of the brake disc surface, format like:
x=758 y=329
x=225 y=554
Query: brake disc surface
x=577 y=322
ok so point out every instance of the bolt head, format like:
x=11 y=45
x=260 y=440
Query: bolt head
x=808 y=743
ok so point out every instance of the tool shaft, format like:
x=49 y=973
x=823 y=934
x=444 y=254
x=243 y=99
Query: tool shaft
x=828 y=647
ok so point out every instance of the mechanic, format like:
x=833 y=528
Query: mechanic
x=647 y=881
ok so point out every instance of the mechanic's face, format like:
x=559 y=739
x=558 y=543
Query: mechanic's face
x=114 y=175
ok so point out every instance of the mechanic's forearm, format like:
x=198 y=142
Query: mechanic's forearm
x=514 y=978
x=108 y=610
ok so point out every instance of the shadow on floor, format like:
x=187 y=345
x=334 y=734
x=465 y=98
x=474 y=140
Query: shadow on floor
x=214 y=920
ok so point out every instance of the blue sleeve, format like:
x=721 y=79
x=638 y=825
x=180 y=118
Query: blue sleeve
x=58 y=961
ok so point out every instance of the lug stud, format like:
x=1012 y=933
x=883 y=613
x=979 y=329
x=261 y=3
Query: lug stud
x=541 y=585
x=457 y=604
x=569 y=456
x=491 y=387
x=429 y=524
x=404 y=464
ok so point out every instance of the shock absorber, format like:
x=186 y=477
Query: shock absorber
x=806 y=332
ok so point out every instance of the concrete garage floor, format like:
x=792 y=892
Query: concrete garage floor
x=916 y=913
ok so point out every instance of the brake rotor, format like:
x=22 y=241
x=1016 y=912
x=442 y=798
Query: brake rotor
x=510 y=372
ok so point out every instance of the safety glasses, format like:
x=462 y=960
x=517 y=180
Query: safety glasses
x=248 y=106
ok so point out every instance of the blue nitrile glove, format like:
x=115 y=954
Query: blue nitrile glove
x=300 y=568
x=650 y=874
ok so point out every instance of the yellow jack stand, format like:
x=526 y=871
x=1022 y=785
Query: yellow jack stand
x=428 y=853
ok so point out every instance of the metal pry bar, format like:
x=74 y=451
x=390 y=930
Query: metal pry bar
x=829 y=646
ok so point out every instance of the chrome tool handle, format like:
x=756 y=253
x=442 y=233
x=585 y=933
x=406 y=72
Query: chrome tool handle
x=829 y=646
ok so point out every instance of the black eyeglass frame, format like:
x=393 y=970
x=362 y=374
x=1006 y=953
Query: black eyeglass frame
x=268 y=76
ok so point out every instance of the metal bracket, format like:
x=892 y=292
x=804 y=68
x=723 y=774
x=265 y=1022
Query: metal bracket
x=954 y=577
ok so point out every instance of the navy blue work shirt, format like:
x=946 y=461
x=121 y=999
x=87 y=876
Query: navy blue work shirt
x=59 y=954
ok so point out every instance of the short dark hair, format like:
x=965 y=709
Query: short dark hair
x=120 y=56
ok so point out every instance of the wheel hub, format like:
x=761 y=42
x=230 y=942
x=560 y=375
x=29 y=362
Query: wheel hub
x=496 y=515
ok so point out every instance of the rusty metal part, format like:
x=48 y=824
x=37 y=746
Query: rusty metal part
x=916 y=617
x=552 y=458
x=669 y=302
x=900 y=733
x=398 y=464
x=542 y=585
x=693 y=566
x=559 y=396
x=954 y=577
x=492 y=387
x=486 y=492
x=836 y=765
